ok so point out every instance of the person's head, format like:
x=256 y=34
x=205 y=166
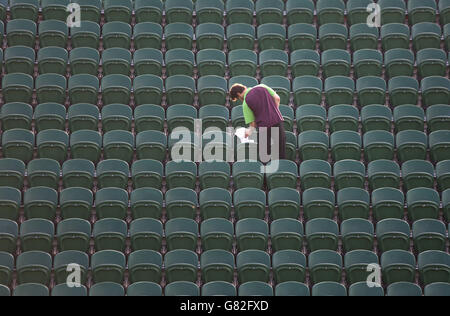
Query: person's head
x=237 y=92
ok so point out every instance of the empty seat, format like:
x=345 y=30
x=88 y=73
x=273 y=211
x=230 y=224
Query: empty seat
x=17 y=87
x=285 y=174
x=16 y=115
x=215 y=202
x=116 y=88
x=240 y=36
x=252 y=233
x=50 y=116
x=269 y=11
x=248 y=174
x=395 y=35
x=34 y=267
x=307 y=90
x=146 y=234
x=392 y=11
x=214 y=116
x=181 y=233
x=339 y=90
x=357 y=11
x=74 y=234
x=218 y=288
x=147 y=173
x=319 y=203
x=37 y=235
x=148 y=34
x=21 y=32
x=330 y=11
x=51 y=88
x=179 y=11
x=116 y=34
x=179 y=35
x=313 y=145
x=325 y=266
x=111 y=203
x=83 y=116
x=40 y=202
x=242 y=62
x=43 y=172
x=435 y=90
x=217 y=233
x=362 y=36
x=362 y=289
x=421 y=11
x=417 y=174
x=116 y=61
x=411 y=145
x=147 y=89
x=209 y=36
x=52 y=143
x=110 y=234
x=181 y=265
x=388 y=203
x=371 y=90
x=18 y=144
x=87 y=35
x=404 y=289
x=315 y=173
x=358 y=264
x=12 y=172
x=148 y=11
x=393 y=234
x=431 y=62
x=346 y=145
x=107 y=289
x=367 y=62
x=180 y=90
x=151 y=145
x=19 y=59
x=289 y=266
x=403 y=90
x=24 y=9
x=149 y=117
x=253 y=265
x=328 y=289
x=302 y=36
x=383 y=174
x=116 y=117
x=144 y=289
x=311 y=117
x=271 y=36
x=437 y=289
x=83 y=88
x=438 y=117
x=322 y=233
x=214 y=174
x=8 y=235
x=442 y=174
x=64 y=263
x=86 y=144
x=78 y=173
x=145 y=266
x=273 y=62
x=217 y=265
x=108 y=266
x=31 y=289
x=90 y=10
x=300 y=11
x=239 y=11
x=182 y=288
x=376 y=117
x=66 y=291
x=212 y=90
x=336 y=62
x=3 y=6
x=422 y=203
x=249 y=203
x=181 y=202
x=434 y=266
x=118 y=145
x=148 y=61
x=357 y=234
x=409 y=117
x=146 y=202
x=118 y=10
x=53 y=33
x=429 y=234
x=211 y=62
x=180 y=61
x=349 y=174
x=378 y=145
x=305 y=62
x=343 y=117
x=398 y=266
x=333 y=36
x=286 y=233
x=353 y=203
x=209 y=11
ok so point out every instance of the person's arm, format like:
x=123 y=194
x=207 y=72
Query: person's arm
x=249 y=131
x=249 y=117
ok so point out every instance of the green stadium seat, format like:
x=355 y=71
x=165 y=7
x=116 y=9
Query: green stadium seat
x=217 y=233
x=214 y=174
x=434 y=266
x=178 y=11
x=6 y=268
x=37 y=235
x=289 y=266
x=181 y=265
x=43 y=172
x=357 y=11
x=182 y=288
x=315 y=174
x=116 y=61
x=151 y=145
x=211 y=62
x=181 y=202
x=437 y=289
x=73 y=233
x=271 y=36
x=3 y=9
x=398 y=266
x=148 y=34
x=145 y=266
x=336 y=62
x=181 y=233
x=181 y=174
x=209 y=11
x=392 y=233
x=116 y=117
x=149 y=117
x=12 y=172
x=217 y=145
x=10 y=202
x=305 y=62
x=421 y=11
x=112 y=173
x=311 y=117
x=16 y=115
x=357 y=234
x=431 y=62
x=411 y=145
x=148 y=61
x=313 y=145
x=148 y=11
x=90 y=10
x=429 y=234
x=442 y=174
x=346 y=145
x=417 y=174
x=116 y=89
x=118 y=10
x=116 y=34
x=322 y=233
x=302 y=36
x=180 y=61
x=285 y=176
x=63 y=290
x=330 y=11
x=383 y=174
x=84 y=60
x=21 y=32
x=179 y=35
x=422 y=203
x=409 y=117
x=325 y=266
x=343 y=117
x=240 y=36
x=239 y=11
x=376 y=118
x=215 y=203
x=362 y=289
x=55 y=9
x=147 y=173
x=328 y=289
x=252 y=233
x=353 y=203
x=444 y=12
x=19 y=59
x=242 y=62
x=319 y=203
x=395 y=35
x=62 y=268
x=392 y=11
x=426 y=35
x=53 y=33
x=286 y=233
x=217 y=265
x=273 y=62
x=148 y=89
x=339 y=90
x=180 y=89
x=214 y=116
x=439 y=145
x=307 y=90
x=404 y=289
x=34 y=267
x=87 y=35
x=248 y=174
x=367 y=62
x=371 y=90
x=146 y=233
x=357 y=263
x=403 y=90
x=210 y=36
x=118 y=145
x=283 y=203
x=78 y=173
x=291 y=289
x=300 y=11
x=52 y=143
x=31 y=289
x=253 y=265
x=83 y=88
x=438 y=117
x=219 y=288
x=291 y=146
x=268 y=11
x=18 y=144
x=181 y=116
x=108 y=266
x=111 y=203
x=146 y=202
x=349 y=174
x=40 y=202
x=51 y=88
x=333 y=36
x=9 y=234
x=435 y=90
x=17 y=87
x=249 y=203
x=24 y=9
x=107 y=289
x=378 y=145
x=362 y=36
x=212 y=90
x=52 y=60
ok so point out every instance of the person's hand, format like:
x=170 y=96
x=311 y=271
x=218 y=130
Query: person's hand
x=248 y=132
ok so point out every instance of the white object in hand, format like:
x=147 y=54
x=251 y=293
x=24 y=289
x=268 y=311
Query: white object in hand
x=240 y=133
